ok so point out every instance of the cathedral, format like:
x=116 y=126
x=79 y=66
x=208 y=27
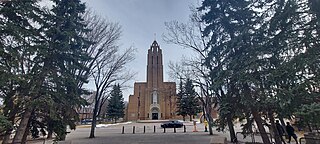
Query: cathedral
x=153 y=99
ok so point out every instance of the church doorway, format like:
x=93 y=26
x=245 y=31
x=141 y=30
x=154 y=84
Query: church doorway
x=154 y=113
x=154 y=116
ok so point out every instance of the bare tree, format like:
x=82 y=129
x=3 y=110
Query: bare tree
x=108 y=63
x=189 y=36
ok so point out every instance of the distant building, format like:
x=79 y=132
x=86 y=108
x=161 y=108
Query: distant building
x=86 y=112
x=154 y=99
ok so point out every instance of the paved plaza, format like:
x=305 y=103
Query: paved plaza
x=113 y=135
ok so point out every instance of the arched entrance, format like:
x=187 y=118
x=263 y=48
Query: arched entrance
x=154 y=113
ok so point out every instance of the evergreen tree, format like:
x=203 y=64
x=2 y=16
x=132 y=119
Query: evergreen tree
x=42 y=53
x=4 y=124
x=190 y=99
x=66 y=59
x=21 y=43
x=115 y=109
x=261 y=53
x=226 y=22
x=187 y=102
x=181 y=102
x=309 y=116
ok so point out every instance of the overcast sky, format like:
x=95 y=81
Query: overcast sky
x=140 y=21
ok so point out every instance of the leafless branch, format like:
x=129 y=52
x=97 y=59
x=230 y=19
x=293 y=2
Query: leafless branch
x=108 y=63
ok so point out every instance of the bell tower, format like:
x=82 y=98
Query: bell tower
x=153 y=99
x=154 y=66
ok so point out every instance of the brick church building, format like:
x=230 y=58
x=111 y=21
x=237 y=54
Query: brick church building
x=153 y=99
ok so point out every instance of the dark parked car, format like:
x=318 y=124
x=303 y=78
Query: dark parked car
x=86 y=121
x=172 y=124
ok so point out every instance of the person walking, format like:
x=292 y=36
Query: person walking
x=290 y=131
x=280 y=130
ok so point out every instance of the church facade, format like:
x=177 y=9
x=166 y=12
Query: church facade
x=153 y=99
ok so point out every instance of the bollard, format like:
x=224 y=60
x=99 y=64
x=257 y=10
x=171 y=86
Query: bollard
x=164 y=129
x=122 y=129
x=154 y=129
x=195 y=126
x=144 y=129
x=184 y=129
x=174 y=130
x=133 y=129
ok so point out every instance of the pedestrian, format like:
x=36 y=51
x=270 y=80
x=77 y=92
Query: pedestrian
x=290 y=131
x=280 y=130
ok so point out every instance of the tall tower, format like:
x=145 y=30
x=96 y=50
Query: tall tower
x=154 y=80
x=153 y=99
x=154 y=66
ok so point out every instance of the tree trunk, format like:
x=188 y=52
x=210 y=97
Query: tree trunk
x=231 y=128
x=204 y=114
x=18 y=138
x=210 y=120
x=93 y=126
x=94 y=120
x=10 y=111
x=190 y=117
x=262 y=131
x=274 y=128
x=25 y=135
x=184 y=118
x=50 y=132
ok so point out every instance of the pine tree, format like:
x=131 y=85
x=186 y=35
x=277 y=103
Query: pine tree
x=115 y=109
x=187 y=102
x=21 y=44
x=309 y=116
x=66 y=60
x=4 y=124
x=49 y=51
x=262 y=55
x=191 y=100
x=181 y=102
x=226 y=24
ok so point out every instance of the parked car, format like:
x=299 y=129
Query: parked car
x=86 y=121
x=172 y=124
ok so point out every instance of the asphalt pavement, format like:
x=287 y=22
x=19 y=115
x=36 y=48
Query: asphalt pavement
x=112 y=134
